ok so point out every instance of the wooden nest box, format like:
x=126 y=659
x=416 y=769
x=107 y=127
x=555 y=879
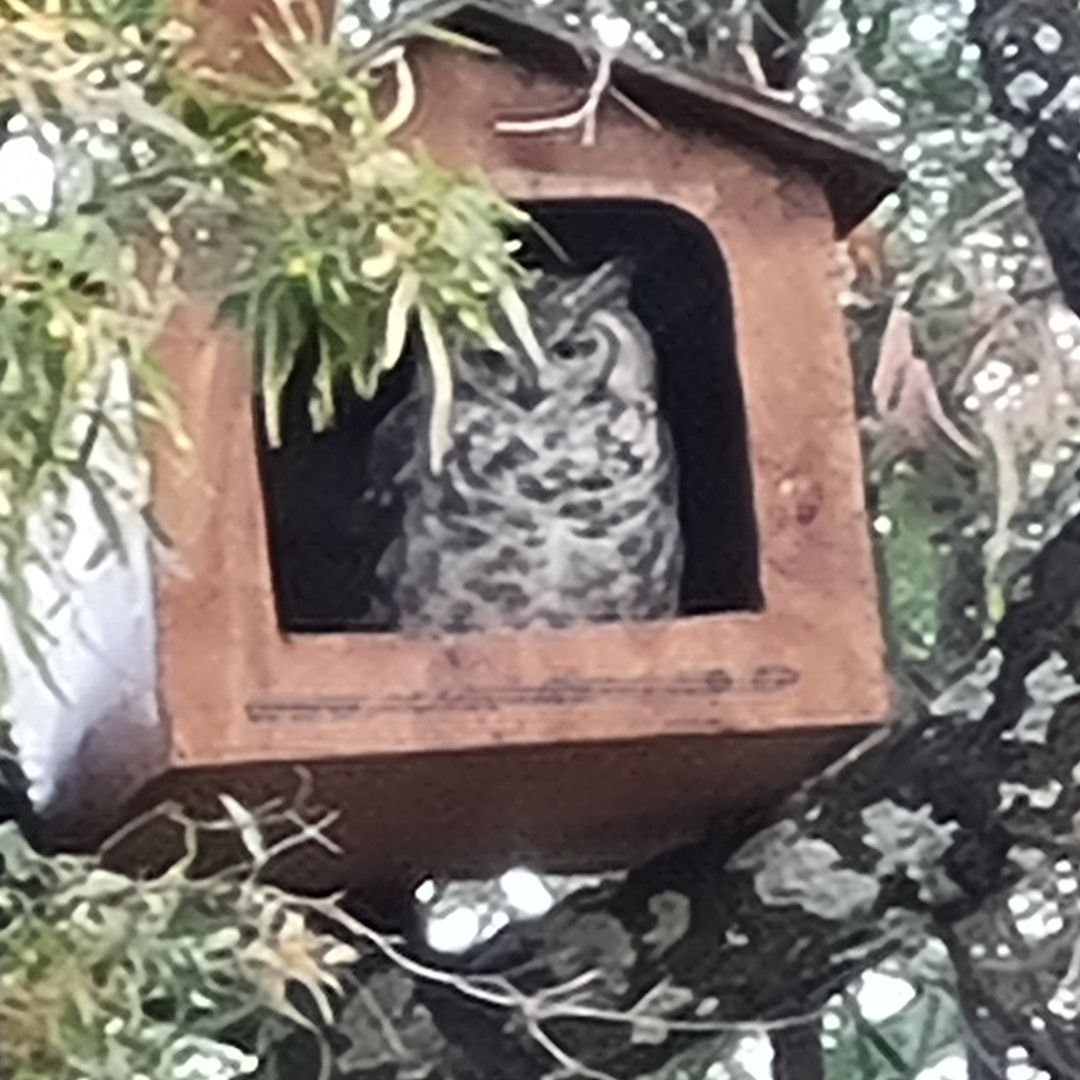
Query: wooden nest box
x=593 y=745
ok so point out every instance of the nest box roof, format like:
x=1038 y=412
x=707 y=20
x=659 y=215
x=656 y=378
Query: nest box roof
x=854 y=176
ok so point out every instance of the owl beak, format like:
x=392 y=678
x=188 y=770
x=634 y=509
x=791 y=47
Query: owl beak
x=530 y=395
x=530 y=389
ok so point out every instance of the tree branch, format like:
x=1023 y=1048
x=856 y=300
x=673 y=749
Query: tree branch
x=917 y=831
x=1031 y=64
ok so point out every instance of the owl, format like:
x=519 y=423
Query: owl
x=557 y=501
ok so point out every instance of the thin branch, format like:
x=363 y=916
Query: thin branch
x=568 y=1066
x=584 y=116
x=537 y=1006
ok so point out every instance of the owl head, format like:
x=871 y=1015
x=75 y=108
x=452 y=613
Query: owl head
x=591 y=337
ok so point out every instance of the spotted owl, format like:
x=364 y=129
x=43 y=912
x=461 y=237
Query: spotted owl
x=557 y=501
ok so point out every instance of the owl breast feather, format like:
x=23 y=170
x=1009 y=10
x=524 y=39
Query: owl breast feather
x=549 y=520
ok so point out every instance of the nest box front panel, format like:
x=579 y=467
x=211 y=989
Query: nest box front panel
x=273 y=644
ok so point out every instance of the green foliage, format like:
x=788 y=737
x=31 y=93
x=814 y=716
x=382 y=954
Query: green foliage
x=69 y=311
x=912 y=561
x=384 y=235
x=103 y=976
x=901 y=1047
x=961 y=254
x=922 y=507
x=348 y=236
x=169 y=161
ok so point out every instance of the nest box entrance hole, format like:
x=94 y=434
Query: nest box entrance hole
x=325 y=541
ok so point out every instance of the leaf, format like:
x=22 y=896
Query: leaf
x=397 y=319
x=19 y=861
x=247 y=827
x=442 y=375
x=100 y=884
x=294 y=954
x=881 y=1044
x=321 y=402
x=128 y=99
x=30 y=632
x=457 y=40
x=271 y=397
x=303 y=116
x=114 y=534
x=520 y=322
x=896 y=355
x=912 y=563
x=288 y=58
x=405 y=103
x=349 y=324
x=905 y=395
x=98 y=556
x=479 y=323
x=274 y=313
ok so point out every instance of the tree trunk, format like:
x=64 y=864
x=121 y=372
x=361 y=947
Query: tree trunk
x=1031 y=63
x=978 y=1069
x=798 y=1054
x=779 y=39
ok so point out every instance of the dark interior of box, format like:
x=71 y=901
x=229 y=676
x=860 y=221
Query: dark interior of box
x=324 y=542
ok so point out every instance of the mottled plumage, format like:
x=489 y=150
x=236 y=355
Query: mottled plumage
x=557 y=501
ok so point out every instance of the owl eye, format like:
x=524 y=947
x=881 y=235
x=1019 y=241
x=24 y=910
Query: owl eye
x=575 y=348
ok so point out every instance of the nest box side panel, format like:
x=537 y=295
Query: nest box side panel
x=206 y=500
x=567 y=808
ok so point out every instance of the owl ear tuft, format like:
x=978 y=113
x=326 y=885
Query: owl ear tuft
x=612 y=282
